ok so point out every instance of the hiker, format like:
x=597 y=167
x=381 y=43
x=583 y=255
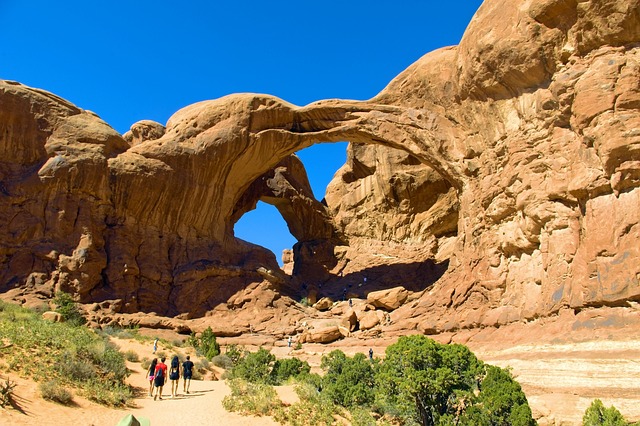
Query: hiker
x=151 y=373
x=174 y=375
x=289 y=341
x=155 y=345
x=370 y=354
x=160 y=378
x=187 y=369
x=350 y=303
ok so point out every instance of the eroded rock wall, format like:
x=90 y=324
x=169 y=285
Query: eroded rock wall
x=500 y=177
x=549 y=205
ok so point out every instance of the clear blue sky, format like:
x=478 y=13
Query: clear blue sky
x=129 y=60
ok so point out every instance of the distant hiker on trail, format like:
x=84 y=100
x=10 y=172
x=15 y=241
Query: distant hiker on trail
x=289 y=340
x=350 y=303
x=187 y=369
x=151 y=374
x=370 y=354
x=174 y=375
x=155 y=345
x=160 y=378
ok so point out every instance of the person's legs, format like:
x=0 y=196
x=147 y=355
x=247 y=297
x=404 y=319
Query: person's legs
x=187 y=383
x=158 y=392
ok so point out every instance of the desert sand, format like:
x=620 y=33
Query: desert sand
x=202 y=406
x=560 y=379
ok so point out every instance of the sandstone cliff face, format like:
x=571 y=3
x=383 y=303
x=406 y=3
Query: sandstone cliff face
x=412 y=203
x=553 y=143
x=500 y=177
x=55 y=191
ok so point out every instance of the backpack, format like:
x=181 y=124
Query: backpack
x=159 y=373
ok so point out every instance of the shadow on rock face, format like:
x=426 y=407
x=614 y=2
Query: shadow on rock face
x=415 y=277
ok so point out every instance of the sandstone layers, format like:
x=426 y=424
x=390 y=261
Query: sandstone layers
x=498 y=181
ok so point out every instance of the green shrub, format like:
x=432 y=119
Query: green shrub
x=111 y=362
x=251 y=398
x=145 y=363
x=598 y=415
x=206 y=344
x=111 y=394
x=361 y=417
x=202 y=364
x=313 y=409
x=312 y=379
x=74 y=368
x=222 y=361
x=348 y=381
x=76 y=356
x=52 y=390
x=131 y=356
x=68 y=308
x=234 y=352
x=283 y=369
x=255 y=367
x=262 y=367
x=197 y=374
x=503 y=399
x=424 y=382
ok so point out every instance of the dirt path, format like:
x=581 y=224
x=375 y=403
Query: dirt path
x=202 y=406
x=560 y=380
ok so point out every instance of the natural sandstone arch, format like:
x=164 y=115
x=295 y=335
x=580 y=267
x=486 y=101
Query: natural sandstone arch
x=532 y=119
x=166 y=217
x=287 y=188
x=252 y=134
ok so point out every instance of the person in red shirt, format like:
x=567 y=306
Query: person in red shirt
x=160 y=377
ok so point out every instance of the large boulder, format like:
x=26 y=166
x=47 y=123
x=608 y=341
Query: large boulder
x=370 y=319
x=322 y=335
x=350 y=320
x=389 y=299
x=323 y=304
x=52 y=316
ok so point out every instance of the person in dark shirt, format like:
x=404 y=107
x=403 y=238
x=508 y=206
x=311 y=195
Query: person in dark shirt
x=151 y=374
x=174 y=375
x=187 y=372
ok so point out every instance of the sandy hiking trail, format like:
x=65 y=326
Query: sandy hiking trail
x=202 y=406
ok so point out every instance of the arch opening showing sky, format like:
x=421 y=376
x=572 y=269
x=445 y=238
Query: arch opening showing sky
x=265 y=226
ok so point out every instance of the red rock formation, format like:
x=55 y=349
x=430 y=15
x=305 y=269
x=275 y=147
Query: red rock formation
x=516 y=194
